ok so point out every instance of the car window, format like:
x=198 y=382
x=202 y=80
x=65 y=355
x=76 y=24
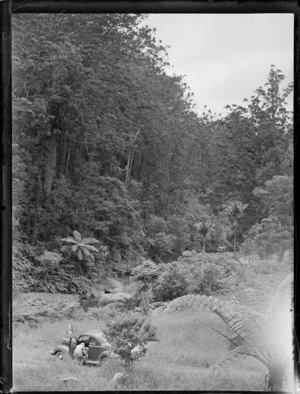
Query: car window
x=93 y=342
x=83 y=338
x=86 y=338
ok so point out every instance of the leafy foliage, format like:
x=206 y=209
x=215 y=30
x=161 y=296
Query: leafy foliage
x=171 y=284
x=109 y=144
x=131 y=289
x=147 y=272
x=277 y=198
x=105 y=142
x=218 y=269
x=261 y=323
x=127 y=332
x=270 y=237
x=49 y=272
x=81 y=247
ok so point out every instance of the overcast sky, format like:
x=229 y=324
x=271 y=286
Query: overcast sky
x=226 y=57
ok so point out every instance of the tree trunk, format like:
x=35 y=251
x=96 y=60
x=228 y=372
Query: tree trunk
x=234 y=244
x=68 y=159
x=34 y=229
x=202 y=268
x=266 y=252
x=63 y=158
x=51 y=166
x=128 y=167
x=130 y=159
x=36 y=210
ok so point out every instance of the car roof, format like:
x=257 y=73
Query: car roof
x=96 y=333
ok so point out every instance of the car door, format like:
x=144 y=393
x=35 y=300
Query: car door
x=72 y=346
x=94 y=349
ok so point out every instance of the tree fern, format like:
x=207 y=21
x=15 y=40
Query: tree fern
x=261 y=325
x=81 y=247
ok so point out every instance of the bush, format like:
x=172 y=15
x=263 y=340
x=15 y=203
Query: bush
x=147 y=272
x=49 y=272
x=129 y=333
x=171 y=284
x=159 y=243
x=206 y=272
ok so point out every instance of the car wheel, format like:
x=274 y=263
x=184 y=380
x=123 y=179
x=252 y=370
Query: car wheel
x=59 y=356
x=102 y=359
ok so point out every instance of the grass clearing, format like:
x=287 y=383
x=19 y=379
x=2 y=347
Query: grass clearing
x=183 y=359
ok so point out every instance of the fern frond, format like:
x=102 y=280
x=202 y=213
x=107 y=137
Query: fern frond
x=89 y=247
x=77 y=236
x=70 y=240
x=135 y=287
x=132 y=289
x=88 y=241
x=231 y=355
x=261 y=322
x=116 y=285
x=249 y=325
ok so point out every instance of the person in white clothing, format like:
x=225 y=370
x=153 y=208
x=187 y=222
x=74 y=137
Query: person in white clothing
x=81 y=352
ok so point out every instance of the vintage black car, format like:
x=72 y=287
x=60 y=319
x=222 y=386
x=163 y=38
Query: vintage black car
x=99 y=348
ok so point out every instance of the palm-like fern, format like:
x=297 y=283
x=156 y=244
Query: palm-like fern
x=235 y=210
x=80 y=246
x=204 y=228
x=261 y=325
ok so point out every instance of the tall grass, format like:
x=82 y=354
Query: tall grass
x=183 y=359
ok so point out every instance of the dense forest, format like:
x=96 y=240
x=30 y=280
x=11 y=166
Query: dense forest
x=107 y=144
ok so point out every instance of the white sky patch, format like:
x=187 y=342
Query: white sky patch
x=226 y=57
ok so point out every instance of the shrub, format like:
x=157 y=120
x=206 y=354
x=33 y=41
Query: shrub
x=206 y=272
x=159 y=243
x=171 y=284
x=23 y=274
x=129 y=332
x=147 y=272
x=49 y=272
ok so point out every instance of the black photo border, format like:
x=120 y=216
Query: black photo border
x=9 y=7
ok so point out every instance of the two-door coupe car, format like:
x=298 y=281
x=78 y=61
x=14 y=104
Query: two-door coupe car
x=99 y=348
